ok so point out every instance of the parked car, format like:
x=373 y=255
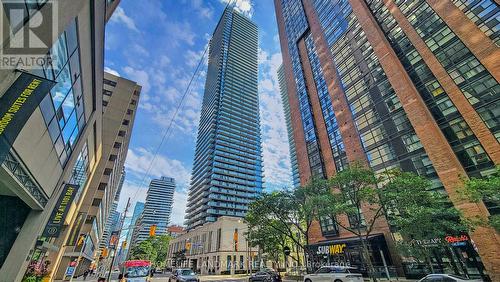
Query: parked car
x=334 y=274
x=266 y=275
x=159 y=270
x=183 y=275
x=447 y=278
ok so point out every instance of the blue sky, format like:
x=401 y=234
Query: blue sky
x=158 y=44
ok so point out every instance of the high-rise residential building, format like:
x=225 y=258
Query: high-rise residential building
x=227 y=170
x=408 y=84
x=49 y=150
x=289 y=129
x=118 y=105
x=157 y=209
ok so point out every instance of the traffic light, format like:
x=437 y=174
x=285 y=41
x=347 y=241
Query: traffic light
x=152 y=230
x=105 y=252
x=124 y=244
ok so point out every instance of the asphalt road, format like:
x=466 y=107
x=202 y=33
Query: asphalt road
x=164 y=278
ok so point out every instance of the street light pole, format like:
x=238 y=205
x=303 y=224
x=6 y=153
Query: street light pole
x=118 y=239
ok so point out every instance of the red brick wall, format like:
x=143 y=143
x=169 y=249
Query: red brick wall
x=446 y=164
x=298 y=130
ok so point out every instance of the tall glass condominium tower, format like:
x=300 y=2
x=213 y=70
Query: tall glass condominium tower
x=408 y=84
x=227 y=171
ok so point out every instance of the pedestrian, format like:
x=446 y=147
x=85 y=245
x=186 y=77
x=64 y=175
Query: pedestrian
x=85 y=274
x=101 y=279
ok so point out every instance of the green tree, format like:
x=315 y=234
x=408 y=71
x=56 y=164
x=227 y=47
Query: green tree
x=486 y=189
x=154 y=249
x=351 y=192
x=286 y=213
x=419 y=214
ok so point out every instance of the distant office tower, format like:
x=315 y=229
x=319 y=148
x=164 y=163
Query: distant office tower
x=288 y=120
x=407 y=84
x=157 y=209
x=112 y=224
x=138 y=209
x=227 y=171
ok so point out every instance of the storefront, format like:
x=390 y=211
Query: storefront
x=451 y=254
x=348 y=251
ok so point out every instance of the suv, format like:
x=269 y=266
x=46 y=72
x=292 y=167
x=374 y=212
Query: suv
x=334 y=274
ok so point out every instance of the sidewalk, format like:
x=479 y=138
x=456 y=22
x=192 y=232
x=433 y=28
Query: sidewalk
x=223 y=277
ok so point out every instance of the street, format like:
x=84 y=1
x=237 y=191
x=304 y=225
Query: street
x=164 y=277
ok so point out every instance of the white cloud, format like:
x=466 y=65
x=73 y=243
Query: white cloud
x=111 y=71
x=139 y=76
x=193 y=58
x=134 y=191
x=119 y=16
x=277 y=171
x=243 y=6
x=266 y=84
x=181 y=32
x=179 y=207
x=140 y=50
x=203 y=11
x=139 y=160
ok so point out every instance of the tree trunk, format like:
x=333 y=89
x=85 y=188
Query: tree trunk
x=366 y=255
x=428 y=259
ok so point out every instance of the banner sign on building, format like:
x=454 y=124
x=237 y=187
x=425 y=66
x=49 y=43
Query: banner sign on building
x=73 y=236
x=56 y=220
x=16 y=106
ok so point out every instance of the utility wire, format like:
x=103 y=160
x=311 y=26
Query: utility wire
x=179 y=105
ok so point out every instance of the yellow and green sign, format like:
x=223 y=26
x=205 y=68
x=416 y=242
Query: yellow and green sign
x=16 y=106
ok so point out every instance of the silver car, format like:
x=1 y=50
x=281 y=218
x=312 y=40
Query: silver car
x=183 y=275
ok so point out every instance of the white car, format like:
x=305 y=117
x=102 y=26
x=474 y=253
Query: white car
x=334 y=274
x=446 y=278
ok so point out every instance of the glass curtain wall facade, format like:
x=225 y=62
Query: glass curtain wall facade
x=286 y=110
x=396 y=81
x=227 y=171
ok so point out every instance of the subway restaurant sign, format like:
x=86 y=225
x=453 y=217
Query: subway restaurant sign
x=56 y=220
x=331 y=249
x=16 y=106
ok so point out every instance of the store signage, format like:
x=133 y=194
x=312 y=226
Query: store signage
x=16 y=106
x=331 y=249
x=457 y=240
x=56 y=220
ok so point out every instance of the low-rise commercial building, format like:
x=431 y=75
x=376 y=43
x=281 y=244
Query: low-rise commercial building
x=218 y=247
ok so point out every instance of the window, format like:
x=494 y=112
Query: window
x=110 y=82
x=107 y=92
x=328 y=227
x=96 y=202
x=112 y=157
x=129 y=111
x=121 y=133
x=89 y=219
x=133 y=102
x=108 y=171
x=117 y=145
x=125 y=122
x=102 y=186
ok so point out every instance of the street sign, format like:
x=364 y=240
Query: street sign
x=69 y=272
x=286 y=250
